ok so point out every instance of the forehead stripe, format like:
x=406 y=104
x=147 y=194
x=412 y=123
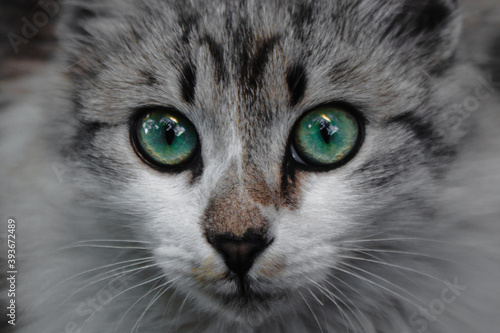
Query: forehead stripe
x=188 y=82
x=297 y=83
x=217 y=53
x=257 y=64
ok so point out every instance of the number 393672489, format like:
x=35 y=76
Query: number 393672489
x=11 y=244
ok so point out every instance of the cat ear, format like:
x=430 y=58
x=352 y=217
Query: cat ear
x=77 y=20
x=427 y=30
x=85 y=25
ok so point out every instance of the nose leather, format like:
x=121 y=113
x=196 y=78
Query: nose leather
x=239 y=253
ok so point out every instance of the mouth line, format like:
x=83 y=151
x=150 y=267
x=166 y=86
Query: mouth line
x=241 y=281
x=246 y=294
x=245 y=290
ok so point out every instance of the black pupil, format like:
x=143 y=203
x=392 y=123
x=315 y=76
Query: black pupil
x=327 y=130
x=170 y=132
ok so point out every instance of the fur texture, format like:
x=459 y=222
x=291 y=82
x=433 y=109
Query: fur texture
x=403 y=238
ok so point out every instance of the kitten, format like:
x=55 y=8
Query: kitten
x=260 y=166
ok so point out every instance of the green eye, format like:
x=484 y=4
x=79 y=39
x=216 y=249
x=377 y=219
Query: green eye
x=325 y=136
x=166 y=138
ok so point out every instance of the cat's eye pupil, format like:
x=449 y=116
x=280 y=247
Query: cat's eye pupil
x=327 y=130
x=170 y=133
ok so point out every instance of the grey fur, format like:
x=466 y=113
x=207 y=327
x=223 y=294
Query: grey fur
x=415 y=210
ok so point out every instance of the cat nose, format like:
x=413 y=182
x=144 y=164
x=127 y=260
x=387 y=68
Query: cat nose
x=239 y=253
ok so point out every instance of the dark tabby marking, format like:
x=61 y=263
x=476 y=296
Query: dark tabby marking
x=297 y=83
x=264 y=49
x=217 y=53
x=188 y=23
x=423 y=130
x=150 y=78
x=289 y=184
x=253 y=66
x=426 y=132
x=84 y=145
x=382 y=170
x=188 y=82
x=303 y=15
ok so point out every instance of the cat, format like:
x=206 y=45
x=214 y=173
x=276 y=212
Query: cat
x=254 y=166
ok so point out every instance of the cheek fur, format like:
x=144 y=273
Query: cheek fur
x=169 y=209
x=308 y=234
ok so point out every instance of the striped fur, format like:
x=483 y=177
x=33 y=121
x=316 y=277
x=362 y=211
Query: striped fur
x=402 y=238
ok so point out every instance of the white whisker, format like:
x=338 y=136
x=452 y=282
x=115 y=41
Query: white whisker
x=312 y=311
x=384 y=288
x=103 y=247
x=384 y=280
x=179 y=311
x=136 y=270
x=416 y=254
x=139 y=299
x=333 y=298
x=396 y=267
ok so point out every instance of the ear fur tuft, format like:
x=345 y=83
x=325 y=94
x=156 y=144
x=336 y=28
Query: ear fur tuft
x=428 y=28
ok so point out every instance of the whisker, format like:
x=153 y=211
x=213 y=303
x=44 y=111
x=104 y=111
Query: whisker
x=138 y=300
x=152 y=289
x=396 y=267
x=158 y=295
x=136 y=262
x=316 y=298
x=103 y=247
x=141 y=261
x=386 y=289
x=377 y=284
x=403 y=239
x=137 y=270
x=177 y=315
x=102 y=305
x=135 y=286
x=384 y=280
x=416 y=254
x=110 y=241
x=332 y=298
x=378 y=260
x=168 y=305
x=314 y=315
x=347 y=305
x=356 y=291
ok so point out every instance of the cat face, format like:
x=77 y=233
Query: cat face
x=202 y=123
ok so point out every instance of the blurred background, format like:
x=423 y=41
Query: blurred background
x=30 y=55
